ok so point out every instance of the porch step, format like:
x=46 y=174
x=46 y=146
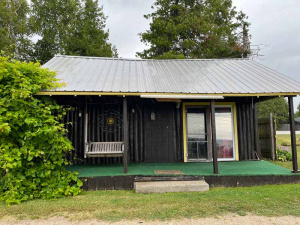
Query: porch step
x=171 y=186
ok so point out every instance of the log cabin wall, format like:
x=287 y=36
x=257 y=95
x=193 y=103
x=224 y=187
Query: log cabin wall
x=247 y=129
x=150 y=141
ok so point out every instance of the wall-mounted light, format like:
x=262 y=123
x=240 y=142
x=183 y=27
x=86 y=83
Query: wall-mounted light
x=79 y=114
x=152 y=115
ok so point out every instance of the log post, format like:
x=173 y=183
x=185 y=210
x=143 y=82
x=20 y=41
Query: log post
x=293 y=135
x=125 y=134
x=214 y=136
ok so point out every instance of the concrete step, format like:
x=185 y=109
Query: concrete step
x=171 y=186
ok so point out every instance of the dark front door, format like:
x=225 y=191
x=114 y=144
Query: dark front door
x=197 y=134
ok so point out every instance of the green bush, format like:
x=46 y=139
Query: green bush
x=32 y=140
x=283 y=156
x=286 y=143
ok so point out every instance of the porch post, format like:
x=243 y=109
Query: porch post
x=125 y=134
x=293 y=135
x=214 y=136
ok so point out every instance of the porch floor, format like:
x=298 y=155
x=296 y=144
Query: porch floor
x=239 y=168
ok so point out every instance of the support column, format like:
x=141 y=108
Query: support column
x=214 y=136
x=125 y=134
x=293 y=135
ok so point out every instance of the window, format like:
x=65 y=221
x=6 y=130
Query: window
x=224 y=132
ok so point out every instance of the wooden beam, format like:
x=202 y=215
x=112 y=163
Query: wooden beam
x=256 y=131
x=293 y=135
x=214 y=136
x=125 y=134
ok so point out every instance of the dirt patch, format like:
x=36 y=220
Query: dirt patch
x=228 y=219
x=166 y=172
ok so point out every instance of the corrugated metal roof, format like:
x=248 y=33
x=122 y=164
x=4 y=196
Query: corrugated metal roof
x=201 y=76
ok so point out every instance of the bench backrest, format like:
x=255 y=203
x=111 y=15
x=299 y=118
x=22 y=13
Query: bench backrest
x=105 y=147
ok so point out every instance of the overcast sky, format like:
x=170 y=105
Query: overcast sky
x=274 y=23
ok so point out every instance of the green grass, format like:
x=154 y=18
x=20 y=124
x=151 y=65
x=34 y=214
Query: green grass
x=279 y=139
x=269 y=200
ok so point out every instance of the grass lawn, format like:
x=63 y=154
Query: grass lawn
x=280 y=138
x=269 y=200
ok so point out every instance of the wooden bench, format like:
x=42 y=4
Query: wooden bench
x=104 y=149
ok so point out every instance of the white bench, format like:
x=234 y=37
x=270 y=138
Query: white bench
x=104 y=149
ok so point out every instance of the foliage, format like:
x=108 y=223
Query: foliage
x=297 y=113
x=283 y=156
x=278 y=106
x=70 y=27
x=90 y=37
x=74 y=27
x=195 y=29
x=286 y=143
x=14 y=29
x=32 y=141
x=279 y=139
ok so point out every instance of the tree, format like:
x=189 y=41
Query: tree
x=195 y=29
x=90 y=37
x=14 y=29
x=33 y=143
x=278 y=106
x=53 y=21
x=297 y=114
x=70 y=27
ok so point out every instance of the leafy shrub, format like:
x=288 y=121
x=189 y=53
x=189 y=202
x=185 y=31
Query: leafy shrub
x=32 y=140
x=286 y=143
x=283 y=156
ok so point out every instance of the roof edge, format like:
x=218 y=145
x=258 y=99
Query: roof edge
x=137 y=59
x=279 y=94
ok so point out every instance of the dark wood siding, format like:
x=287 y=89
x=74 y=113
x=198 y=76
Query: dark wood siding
x=247 y=129
x=159 y=140
x=160 y=134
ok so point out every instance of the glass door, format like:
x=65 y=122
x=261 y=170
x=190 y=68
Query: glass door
x=197 y=134
x=225 y=133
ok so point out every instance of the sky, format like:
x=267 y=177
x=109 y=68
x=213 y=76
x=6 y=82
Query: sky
x=274 y=25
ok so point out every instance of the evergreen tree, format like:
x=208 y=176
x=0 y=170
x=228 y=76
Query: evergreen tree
x=70 y=27
x=90 y=37
x=14 y=29
x=195 y=29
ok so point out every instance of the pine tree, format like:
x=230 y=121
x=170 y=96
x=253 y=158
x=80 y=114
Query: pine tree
x=91 y=38
x=195 y=29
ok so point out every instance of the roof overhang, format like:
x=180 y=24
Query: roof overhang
x=183 y=96
x=75 y=93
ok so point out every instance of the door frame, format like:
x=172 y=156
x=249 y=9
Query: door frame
x=208 y=132
x=185 y=105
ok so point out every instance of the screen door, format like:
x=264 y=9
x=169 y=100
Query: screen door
x=197 y=134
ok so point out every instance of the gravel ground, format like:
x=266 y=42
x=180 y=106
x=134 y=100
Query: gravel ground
x=228 y=219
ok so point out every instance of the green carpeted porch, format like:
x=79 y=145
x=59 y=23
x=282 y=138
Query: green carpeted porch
x=237 y=168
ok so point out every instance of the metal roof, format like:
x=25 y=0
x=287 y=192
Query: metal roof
x=199 y=76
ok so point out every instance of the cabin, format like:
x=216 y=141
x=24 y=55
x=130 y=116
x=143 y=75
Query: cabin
x=166 y=111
